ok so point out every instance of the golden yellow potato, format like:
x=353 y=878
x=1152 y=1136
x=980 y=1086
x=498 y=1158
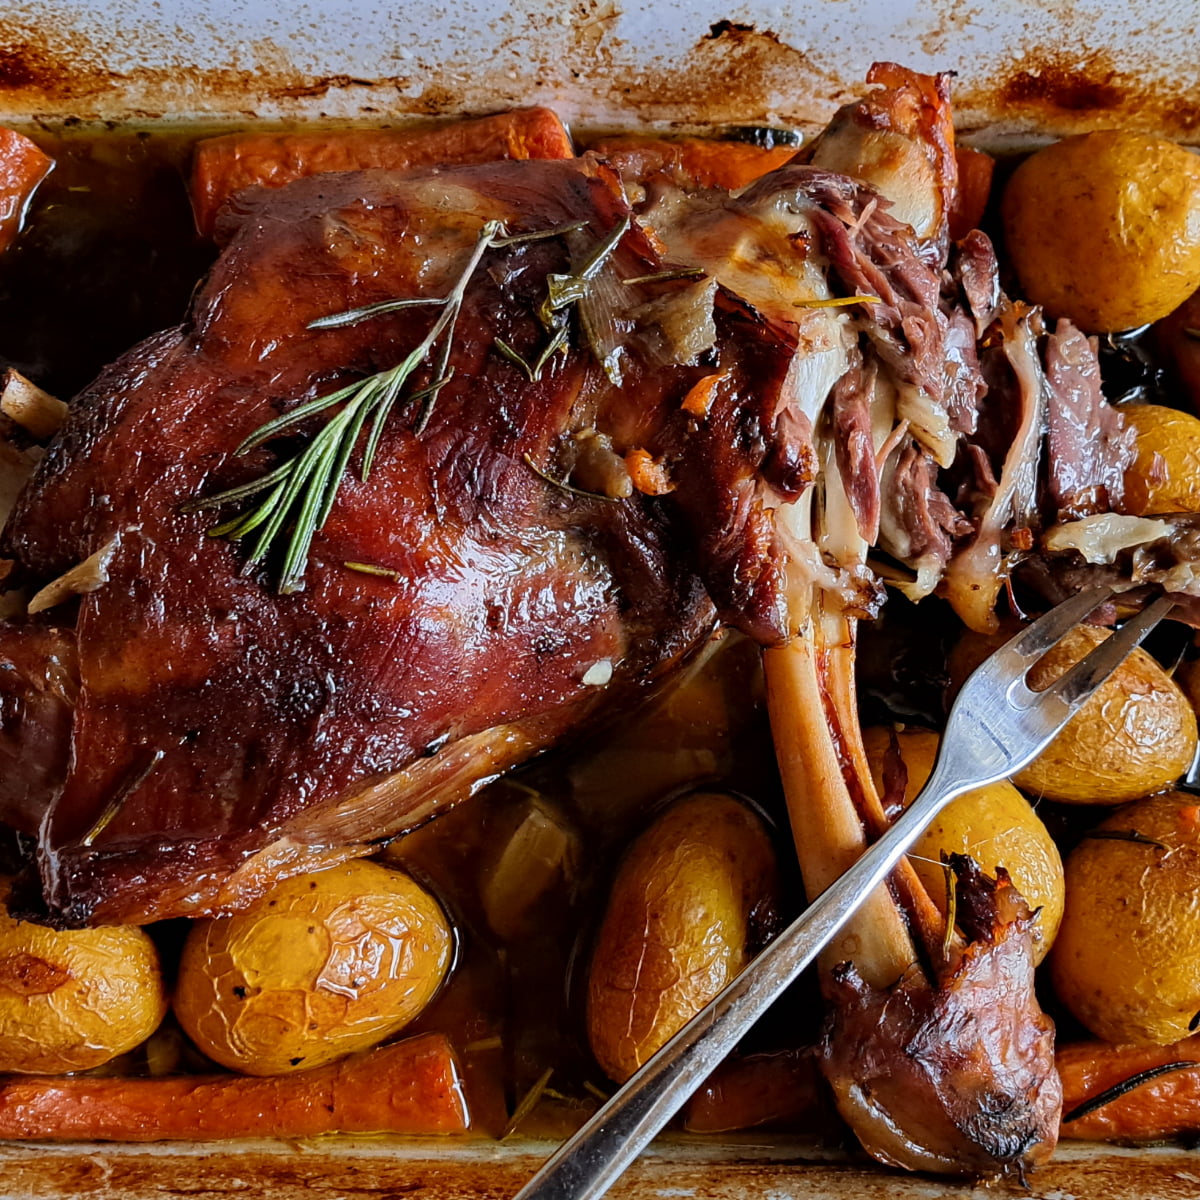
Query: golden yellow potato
x=1104 y=228
x=1135 y=736
x=1127 y=960
x=677 y=925
x=323 y=965
x=1165 y=476
x=74 y=999
x=995 y=825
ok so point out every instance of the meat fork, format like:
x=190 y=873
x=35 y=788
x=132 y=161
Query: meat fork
x=996 y=726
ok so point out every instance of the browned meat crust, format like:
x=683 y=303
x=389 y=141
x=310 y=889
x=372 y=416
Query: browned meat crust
x=958 y=1077
x=225 y=734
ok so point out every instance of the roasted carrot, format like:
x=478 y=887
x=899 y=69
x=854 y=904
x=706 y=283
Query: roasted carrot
x=1130 y=1093
x=22 y=167
x=223 y=166
x=409 y=1087
x=649 y=475
x=779 y=1088
x=974 y=186
x=702 y=163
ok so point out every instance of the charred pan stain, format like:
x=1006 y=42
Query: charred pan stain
x=721 y=28
x=322 y=1172
x=1056 y=93
x=1076 y=88
x=24 y=65
x=734 y=72
x=323 y=86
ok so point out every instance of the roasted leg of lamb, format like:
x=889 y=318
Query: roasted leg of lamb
x=609 y=413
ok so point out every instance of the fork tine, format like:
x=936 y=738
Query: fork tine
x=1091 y=671
x=1033 y=642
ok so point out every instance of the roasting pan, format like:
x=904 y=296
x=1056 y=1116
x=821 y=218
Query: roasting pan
x=1023 y=72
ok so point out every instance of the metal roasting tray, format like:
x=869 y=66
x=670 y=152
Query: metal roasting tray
x=1023 y=72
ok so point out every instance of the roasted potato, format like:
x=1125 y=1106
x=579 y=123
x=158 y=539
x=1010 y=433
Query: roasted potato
x=1127 y=960
x=1104 y=228
x=71 y=1000
x=678 y=926
x=995 y=825
x=1165 y=476
x=1135 y=736
x=323 y=965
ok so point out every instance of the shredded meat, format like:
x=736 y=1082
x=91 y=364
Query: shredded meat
x=850 y=416
x=1088 y=447
x=974 y=266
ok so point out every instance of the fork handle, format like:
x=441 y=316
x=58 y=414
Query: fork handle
x=591 y=1160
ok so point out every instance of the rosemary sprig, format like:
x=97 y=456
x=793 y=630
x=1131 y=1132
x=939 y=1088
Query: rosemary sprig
x=300 y=492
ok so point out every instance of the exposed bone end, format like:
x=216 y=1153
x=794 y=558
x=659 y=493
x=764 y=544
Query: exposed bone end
x=36 y=411
x=957 y=1078
x=828 y=832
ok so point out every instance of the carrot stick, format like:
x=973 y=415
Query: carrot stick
x=974 y=186
x=223 y=166
x=702 y=163
x=1162 y=1099
x=779 y=1088
x=22 y=167
x=410 y=1087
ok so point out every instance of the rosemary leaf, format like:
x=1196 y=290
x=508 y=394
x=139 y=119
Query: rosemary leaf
x=244 y=491
x=372 y=569
x=562 y=485
x=354 y=315
x=667 y=276
x=247 y=522
x=539 y=235
x=514 y=357
x=557 y=343
x=298 y=414
x=591 y=267
x=561 y=292
x=1124 y=835
x=527 y=1103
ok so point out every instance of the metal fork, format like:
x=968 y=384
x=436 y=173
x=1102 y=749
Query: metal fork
x=996 y=726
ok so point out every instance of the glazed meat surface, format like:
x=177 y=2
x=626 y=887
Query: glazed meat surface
x=225 y=734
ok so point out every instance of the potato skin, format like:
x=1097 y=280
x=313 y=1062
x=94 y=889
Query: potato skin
x=1127 y=960
x=1135 y=736
x=677 y=925
x=71 y=1000
x=324 y=965
x=1165 y=475
x=1104 y=228
x=995 y=825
